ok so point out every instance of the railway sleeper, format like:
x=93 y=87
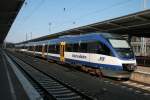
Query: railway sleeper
x=70 y=98
x=64 y=91
x=57 y=89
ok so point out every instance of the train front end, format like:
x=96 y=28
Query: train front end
x=124 y=53
x=125 y=57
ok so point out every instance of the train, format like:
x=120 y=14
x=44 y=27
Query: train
x=104 y=54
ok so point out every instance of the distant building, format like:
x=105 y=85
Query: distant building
x=139 y=48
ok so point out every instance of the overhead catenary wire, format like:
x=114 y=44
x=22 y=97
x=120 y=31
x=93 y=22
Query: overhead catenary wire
x=94 y=12
x=35 y=9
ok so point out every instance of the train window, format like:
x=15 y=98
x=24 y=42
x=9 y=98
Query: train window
x=97 y=47
x=40 y=48
x=45 y=48
x=30 y=48
x=25 y=47
x=57 y=49
x=69 y=47
x=83 y=47
x=33 y=48
x=51 y=49
x=76 y=47
x=104 y=50
x=93 y=47
x=36 y=48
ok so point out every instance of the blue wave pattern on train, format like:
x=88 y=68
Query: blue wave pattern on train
x=107 y=52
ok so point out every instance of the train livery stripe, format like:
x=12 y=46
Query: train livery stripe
x=93 y=58
x=51 y=54
x=96 y=65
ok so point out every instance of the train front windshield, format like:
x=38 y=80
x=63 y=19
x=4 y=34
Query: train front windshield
x=122 y=48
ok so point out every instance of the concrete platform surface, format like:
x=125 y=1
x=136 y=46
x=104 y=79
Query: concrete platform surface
x=141 y=74
x=10 y=87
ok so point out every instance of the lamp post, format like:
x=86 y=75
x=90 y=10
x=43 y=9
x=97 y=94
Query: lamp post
x=31 y=35
x=50 y=26
x=26 y=36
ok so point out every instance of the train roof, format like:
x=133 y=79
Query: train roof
x=74 y=38
x=105 y=35
x=83 y=38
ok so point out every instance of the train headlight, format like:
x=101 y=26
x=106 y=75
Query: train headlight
x=129 y=67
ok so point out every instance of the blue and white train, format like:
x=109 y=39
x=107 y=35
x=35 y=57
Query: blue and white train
x=102 y=53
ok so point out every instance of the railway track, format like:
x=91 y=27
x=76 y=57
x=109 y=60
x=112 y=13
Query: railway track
x=49 y=87
x=95 y=89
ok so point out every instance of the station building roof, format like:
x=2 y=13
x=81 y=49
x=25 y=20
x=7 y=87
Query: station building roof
x=136 y=24
x=8 y=12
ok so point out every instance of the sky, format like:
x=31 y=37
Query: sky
x=43 y=17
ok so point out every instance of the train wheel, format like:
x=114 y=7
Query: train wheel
x=99 y=73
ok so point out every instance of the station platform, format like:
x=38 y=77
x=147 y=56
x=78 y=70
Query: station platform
x=13 y=84
x=141 y=74
x=10 y=87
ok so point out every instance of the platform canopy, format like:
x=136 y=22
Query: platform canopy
x=136 y=24
x=8 y=12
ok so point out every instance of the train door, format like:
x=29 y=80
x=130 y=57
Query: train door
x=62 y=50
x=43 y=50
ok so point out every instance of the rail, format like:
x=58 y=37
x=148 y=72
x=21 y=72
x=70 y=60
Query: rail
x=48 y=84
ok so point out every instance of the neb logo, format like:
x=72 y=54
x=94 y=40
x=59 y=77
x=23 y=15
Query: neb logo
x=101 y=59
